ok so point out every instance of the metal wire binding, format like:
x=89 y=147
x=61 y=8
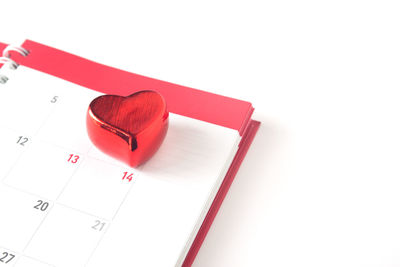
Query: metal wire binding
x=13 y=64
x=3 y=79
x=21 y=50
x=5 y=59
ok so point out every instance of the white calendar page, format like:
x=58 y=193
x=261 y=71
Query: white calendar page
x=64 y=204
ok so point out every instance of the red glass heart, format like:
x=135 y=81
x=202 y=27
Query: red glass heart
x=130 y=129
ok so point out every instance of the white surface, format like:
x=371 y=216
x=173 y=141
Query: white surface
x=320 y=185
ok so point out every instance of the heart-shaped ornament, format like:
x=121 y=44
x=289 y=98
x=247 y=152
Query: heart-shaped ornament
x=131 y=128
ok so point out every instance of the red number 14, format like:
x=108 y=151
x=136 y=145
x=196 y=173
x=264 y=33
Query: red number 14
x=127 y=176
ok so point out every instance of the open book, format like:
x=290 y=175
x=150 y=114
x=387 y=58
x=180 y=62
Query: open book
x=63 y=203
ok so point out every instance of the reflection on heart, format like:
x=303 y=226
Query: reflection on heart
x=129 y=128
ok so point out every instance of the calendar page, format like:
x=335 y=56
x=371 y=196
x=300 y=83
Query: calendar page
x=63 y=203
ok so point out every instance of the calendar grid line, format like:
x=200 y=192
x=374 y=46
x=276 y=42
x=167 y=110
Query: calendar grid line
x=20 y=254
x=87 y=154
x=110 y=162
x=5 y=127
x=37 y=228
x=123 y=200
x=12 y=167
x=45 y=120
x=60 y=146
x=83 y=212
x=35 y=259
x=98 y=244
x=27 y=192
x=110 y=222
x=32 y=136
x=55 y=201
x=69 y=179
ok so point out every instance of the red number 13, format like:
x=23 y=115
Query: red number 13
x=73 y=158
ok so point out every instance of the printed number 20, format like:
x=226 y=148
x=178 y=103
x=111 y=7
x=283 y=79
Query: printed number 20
x=41 y=205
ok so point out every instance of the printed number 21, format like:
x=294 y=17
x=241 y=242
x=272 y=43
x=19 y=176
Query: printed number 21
x=98 y=226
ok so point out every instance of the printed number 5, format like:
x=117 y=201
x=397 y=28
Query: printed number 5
x=73 y=158
x=54 y=99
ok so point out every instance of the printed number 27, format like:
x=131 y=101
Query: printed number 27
x=6 y=257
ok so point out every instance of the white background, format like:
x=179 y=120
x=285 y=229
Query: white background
x=320 y=185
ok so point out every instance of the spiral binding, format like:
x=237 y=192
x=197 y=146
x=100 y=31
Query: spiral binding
x=5 y=59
